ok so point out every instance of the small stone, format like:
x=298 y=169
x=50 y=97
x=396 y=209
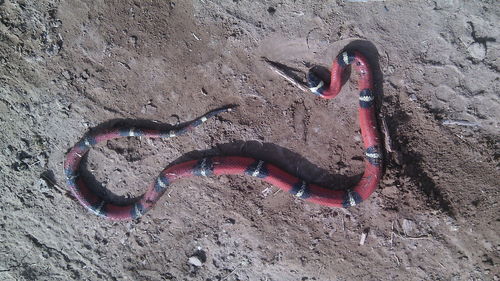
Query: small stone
x=66 y=74
x=133 y=40
x=477 y=51
x=150 y=108
x=390 y=191
x=198 y=258
x=85 y=75
x=388 y=181
x=444 y=4
x=174 y=120
x=194 y=260
x=42 y=159
x=408 y=226
x=42 y=184
x=488 y=245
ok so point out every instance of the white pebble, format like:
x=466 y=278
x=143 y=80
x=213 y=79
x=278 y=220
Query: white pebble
x=195 y=261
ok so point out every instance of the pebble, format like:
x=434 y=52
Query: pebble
x=443 y=4
x=477 y=51
x=198 y=258
x=66 y=74
x=43 y=184
x=391 y=191
x=149 y=108
x=408 y=226
x=85 y=75
x=42 y=159
x=194 y=260
x=388 y=181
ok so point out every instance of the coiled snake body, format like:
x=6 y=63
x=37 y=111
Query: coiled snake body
x=235 y=165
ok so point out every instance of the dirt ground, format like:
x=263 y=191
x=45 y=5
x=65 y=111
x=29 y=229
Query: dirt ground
x=69 y=66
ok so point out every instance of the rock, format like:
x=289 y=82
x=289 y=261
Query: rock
x=198 y=258
x=133 y=40
x=408 y=226
x=194 y=260
x=390 y=191
x=477 y=51
x=150 y=108
x=66 y=74
x=388 y=181
x=42 y=159
x=43 y=184
x=444 y=4
x=85 y=75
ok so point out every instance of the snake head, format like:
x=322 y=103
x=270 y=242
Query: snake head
x=315 y=84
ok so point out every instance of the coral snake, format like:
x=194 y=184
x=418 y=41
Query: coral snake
x=236 y=165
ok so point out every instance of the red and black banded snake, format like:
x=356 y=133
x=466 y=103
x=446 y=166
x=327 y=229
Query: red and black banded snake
x=237 y=165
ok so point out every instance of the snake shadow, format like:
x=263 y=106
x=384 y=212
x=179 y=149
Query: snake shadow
x=412 y=165
x=284 y=158
x=372 y=55
x=151 y=124
x=279 y=156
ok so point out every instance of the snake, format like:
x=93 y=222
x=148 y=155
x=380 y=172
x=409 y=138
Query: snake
x=239 y=165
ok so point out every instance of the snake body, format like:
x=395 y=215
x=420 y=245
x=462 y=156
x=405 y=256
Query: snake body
x=236 y=165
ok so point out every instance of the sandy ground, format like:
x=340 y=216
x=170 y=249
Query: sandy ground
x=69 y=66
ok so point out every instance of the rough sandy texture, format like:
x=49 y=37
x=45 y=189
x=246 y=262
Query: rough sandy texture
x=68 y=66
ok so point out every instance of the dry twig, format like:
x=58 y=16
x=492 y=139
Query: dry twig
x=287 y=77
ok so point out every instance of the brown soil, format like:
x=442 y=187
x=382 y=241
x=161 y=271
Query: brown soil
x=68 y=66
